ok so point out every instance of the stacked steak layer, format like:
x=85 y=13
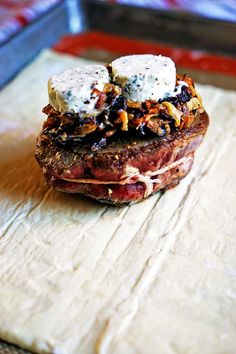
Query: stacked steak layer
x=125 y=171
x=121 y=132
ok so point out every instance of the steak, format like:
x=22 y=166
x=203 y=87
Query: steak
x=124 y=194
x=121 y=132
x=126 y=170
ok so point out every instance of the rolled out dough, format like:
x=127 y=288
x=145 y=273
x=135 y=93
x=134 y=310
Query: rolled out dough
x=78 y=277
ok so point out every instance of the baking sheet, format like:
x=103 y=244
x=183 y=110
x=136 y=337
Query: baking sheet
x=77 y=276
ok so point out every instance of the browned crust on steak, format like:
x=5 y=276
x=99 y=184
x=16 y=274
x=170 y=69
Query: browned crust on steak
x=110 y=163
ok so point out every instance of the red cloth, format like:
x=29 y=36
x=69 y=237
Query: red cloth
x=15 y=14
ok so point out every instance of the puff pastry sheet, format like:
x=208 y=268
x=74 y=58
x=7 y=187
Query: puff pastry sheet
x=79 y=277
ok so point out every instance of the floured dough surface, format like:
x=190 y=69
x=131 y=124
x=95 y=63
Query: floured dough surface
x=79 y=277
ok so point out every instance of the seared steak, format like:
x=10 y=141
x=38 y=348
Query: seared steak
x=126 y=170
x=124 y=194
x=119 y=133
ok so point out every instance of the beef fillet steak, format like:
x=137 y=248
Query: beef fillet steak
x=124 y=171
x=123 y=132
